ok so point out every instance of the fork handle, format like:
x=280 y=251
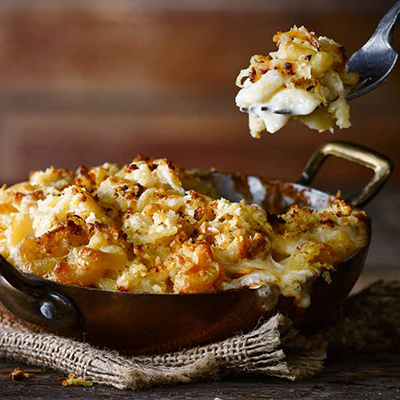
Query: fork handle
x=386 y=26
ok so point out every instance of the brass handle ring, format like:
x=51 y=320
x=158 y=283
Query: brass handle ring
x=380 y=164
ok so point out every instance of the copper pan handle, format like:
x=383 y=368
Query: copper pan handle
x=36 y=302
x=380 y=164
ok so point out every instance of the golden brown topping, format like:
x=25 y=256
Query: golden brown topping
x=297 y=33
x=199 y=272
x=140 y=229
x=72 y=381
x=306 y=79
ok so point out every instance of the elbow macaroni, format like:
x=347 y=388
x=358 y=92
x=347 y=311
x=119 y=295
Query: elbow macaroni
x=138 y=229
x=305 y=79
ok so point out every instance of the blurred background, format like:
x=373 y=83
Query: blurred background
x=84 y=82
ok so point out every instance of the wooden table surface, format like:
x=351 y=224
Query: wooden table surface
x=351 y=376
x=347 y=376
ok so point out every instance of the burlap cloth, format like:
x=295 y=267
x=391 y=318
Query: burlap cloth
x=369 y=320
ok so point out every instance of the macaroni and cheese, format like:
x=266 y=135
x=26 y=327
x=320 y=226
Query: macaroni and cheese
x=138 y=229
x=305 y=79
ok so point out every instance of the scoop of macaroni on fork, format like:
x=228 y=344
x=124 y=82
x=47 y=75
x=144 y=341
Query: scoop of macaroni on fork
x=306 y=79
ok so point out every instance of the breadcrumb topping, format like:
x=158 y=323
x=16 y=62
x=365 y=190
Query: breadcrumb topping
x=18 y=374
x=72 y=381
x=306 y=79
x=139 y=229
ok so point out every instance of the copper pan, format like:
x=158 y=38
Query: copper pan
x=149 y=323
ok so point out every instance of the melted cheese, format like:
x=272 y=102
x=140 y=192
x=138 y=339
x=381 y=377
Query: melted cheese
x=305 y=79
x=139 y=229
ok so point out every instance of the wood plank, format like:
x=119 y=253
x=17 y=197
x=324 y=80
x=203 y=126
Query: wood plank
x=347 y=377
x=193 y=5
x=110 y=67
x=179 y=52
x=35 y=141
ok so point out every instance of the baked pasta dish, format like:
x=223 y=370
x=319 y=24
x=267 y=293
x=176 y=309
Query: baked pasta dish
x=142 y=228
x=306 y=79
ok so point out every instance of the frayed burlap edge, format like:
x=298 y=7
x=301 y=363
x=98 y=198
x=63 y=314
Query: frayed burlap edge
x=261 y=351
x=369 y=320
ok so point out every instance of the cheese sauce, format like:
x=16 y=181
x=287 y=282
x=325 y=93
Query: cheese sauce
x=305 y=79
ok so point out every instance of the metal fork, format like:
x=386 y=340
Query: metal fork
x=377 y=58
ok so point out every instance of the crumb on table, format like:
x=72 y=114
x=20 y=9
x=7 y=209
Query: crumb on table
x=18 y=374
x=71 y=380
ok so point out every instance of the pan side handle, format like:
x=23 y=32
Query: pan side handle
x=33 y=301
x=380 y=164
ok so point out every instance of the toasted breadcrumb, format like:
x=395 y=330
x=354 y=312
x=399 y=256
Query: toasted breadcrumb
x=306 y=78
x=140 y=229
x=72 y=381
x=18 y=374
